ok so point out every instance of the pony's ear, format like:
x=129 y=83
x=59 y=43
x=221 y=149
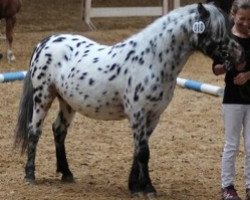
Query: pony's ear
x=204 y=14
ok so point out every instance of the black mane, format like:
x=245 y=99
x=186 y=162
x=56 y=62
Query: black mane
x=225 y=5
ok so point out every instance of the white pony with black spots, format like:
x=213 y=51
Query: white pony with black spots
x=134 y=79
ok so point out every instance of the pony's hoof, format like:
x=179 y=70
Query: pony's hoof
x=135 y=195
x=151 y=195
x=10 y=56
x=68 y=179
x=29 y=181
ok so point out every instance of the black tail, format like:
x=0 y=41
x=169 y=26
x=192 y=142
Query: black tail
x=24 y=115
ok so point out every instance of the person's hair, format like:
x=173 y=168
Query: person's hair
x=239 y=4
x=236 y=5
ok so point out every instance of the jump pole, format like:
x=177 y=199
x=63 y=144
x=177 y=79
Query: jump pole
x=12 y=76
x=186 y=83
x=200 y=87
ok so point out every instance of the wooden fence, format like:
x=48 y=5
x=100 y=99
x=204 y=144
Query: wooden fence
x=89 y=12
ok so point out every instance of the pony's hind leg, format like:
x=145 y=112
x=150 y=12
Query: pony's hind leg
x=42 y=101
x=60 y=126
x=143 y=125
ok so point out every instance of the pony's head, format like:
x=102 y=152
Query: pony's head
x=214 y=38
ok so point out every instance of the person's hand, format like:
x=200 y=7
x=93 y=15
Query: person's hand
x=242 y=78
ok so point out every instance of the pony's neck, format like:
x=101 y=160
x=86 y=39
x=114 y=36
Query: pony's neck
x=171 y=36
x=170 y=32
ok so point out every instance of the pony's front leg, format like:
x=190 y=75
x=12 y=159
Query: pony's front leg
x=139 y=179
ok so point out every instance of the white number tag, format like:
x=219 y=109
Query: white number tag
x=198 y=27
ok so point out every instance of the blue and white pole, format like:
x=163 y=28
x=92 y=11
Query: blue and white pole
x=201 y=87
x=12 y=76
x=186 y=83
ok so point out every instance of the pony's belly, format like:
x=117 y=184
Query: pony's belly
x=97 y=110
x=107 y=113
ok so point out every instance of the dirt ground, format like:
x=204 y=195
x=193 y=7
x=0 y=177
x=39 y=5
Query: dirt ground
x=185 y=147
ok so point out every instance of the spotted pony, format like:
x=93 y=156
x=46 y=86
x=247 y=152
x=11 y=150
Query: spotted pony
x=133 y=79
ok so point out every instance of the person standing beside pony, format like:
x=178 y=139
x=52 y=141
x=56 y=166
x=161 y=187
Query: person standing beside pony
x=236 y=105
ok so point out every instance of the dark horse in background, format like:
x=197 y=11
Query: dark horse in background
x=8 y=11
x=225 y=5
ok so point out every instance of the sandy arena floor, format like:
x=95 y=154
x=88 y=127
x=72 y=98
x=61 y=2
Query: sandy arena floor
x=185 y=147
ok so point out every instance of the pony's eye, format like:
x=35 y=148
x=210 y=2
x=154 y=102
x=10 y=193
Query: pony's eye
x=224 y=54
